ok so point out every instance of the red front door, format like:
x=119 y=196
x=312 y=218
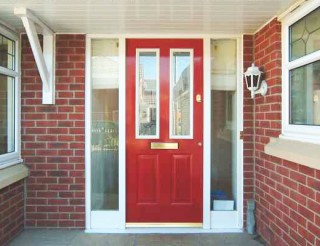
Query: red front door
x=164 y=130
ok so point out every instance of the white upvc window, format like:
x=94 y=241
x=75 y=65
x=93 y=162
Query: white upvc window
x=9 y=99
x=301 y=74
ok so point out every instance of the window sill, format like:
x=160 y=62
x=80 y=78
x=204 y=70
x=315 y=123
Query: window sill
x=12 y=174
x=303 y=153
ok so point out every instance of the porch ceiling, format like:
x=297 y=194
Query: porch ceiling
x=148 y=16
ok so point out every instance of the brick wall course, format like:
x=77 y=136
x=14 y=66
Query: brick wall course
x=247 y=128
x=11 y=211
x=287 y=194
x=53 y=137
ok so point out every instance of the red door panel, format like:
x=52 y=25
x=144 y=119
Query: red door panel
x=148 y=179
x=164 y=186
x=181 y=192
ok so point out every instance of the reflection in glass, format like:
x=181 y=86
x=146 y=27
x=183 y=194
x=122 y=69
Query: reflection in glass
x=6 y=114
x=147 y=89
x=181 y=94
x=223 y=128
x=104 y=129
x=224 y=64
x=223 y=157
x=305 y=35
x=6 y=52
x=305 y=95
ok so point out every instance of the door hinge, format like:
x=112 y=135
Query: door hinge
x=241 y=135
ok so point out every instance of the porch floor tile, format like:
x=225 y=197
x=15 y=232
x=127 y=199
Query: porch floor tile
x=43 y=237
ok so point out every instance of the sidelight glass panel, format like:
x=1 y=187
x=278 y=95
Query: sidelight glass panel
x=305 y=95
x=7 y=121
x=223 y=126
x=104 y=129
x=223 y=65
x=147 y=93
x=181 y=93
x=305 y=35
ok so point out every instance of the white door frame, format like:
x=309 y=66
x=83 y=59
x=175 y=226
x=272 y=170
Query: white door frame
x=96 y=220
x=213 y=221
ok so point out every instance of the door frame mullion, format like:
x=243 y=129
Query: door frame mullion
x=206 y=133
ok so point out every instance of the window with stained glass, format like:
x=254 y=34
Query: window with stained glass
x=301 y=73
x=304 y=80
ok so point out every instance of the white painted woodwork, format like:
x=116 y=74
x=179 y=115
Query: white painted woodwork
x=300 y=133
x=145 y=16
x=106 y=219
x=14 y=157
x=45 y=59
x=207 y=132
x=213 y=221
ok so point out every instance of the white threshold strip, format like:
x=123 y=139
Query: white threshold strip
x=164 y=230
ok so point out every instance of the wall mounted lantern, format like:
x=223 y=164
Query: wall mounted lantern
x=253 y=78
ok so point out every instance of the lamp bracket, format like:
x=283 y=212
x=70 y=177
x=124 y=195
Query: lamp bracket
x=262 y=90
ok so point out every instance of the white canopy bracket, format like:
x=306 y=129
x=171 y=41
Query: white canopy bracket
x=45 y=59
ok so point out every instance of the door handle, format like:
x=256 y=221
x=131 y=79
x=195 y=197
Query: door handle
x=199 y=144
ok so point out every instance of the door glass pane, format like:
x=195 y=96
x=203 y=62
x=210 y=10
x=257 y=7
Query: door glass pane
x=104 y=134
x=6 y=114
x=223 y=128
x=305 y=35
x=305 y=95
x=147 y=94
x=181 y=91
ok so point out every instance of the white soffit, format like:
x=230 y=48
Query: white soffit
x=148 y=16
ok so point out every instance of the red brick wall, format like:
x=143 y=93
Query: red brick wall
x=53 y=138
x=287 y=194
x=11 y=211
x=247 y=128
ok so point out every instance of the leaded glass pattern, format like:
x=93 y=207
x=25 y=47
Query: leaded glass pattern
x=305 y=35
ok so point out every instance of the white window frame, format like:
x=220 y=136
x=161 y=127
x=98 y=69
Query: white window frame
x=289 y=131
x=13 y=158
